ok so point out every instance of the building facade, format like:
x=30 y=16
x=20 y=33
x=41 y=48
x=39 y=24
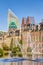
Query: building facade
x=32 y=36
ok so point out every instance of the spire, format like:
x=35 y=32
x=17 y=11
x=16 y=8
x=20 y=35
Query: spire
x=23 y=22
x=28 y=20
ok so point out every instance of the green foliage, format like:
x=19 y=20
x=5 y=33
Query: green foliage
x=29 y=50
x=5 y=47
x=16 y=51
x=20 y=42
x=1 y=52
x=20 y=54
x=6 y=53
x=30 y=55
x=11 y=44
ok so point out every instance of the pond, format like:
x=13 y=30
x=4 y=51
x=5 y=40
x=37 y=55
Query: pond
x=20 y=61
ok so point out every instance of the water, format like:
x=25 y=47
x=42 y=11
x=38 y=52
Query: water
x=20 y=61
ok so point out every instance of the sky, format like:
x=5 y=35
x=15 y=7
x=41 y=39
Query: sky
x=21 y=8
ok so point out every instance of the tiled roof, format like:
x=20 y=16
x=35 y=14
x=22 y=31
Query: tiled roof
x=28 y=20
x=23 y=22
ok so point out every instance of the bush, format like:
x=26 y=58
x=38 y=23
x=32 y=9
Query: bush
x=20 y=42
x=11 y=44
x=29 y=55
x=5 y=47
x=20 y=55
x=15 y=51
x=14 y=54
x=6 y=53
x=29 y=50
x=1 y=52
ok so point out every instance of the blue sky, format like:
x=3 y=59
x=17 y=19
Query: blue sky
x=22 y=8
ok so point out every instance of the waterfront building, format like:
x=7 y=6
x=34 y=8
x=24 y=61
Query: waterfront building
x=32 y=36
x=37 y=39
x=26 y=32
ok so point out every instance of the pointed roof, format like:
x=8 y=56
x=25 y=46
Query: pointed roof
x=13 y=17
x=28 y=20
x=23 y=22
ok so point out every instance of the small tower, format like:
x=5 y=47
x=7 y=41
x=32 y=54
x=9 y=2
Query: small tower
x=28 y=20
x=23 y=23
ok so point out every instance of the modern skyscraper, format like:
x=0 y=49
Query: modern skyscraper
x=12 y=21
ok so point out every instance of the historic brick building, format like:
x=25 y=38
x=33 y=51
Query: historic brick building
x=32 y=36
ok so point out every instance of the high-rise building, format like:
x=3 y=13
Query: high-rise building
x=13 y=22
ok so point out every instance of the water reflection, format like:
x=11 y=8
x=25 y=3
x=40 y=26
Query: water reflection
x=21 y=61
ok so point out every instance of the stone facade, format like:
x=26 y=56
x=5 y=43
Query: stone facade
x=36 y=34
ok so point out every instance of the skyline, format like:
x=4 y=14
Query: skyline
x=21 y=8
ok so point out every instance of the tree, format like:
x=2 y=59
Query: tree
x=5 y=47
x=29 y=50
x=16 y=51
x=11 y=44
x=1 y=52
x=20 y=42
